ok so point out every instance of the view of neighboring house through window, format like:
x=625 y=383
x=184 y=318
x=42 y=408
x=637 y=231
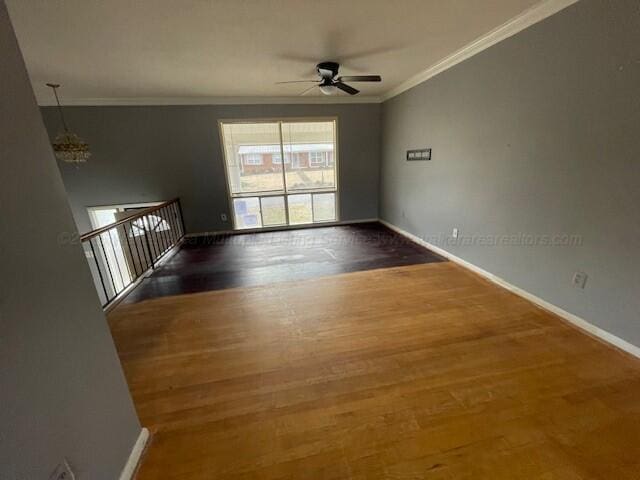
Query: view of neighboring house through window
x=252 y=159
x=276 y=158
x=317 y=158
x=267 y=192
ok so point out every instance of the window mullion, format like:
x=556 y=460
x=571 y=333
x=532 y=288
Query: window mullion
x=284 y=176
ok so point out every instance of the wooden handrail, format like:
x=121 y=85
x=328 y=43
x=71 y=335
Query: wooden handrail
x=142 y=213
x=119 y=262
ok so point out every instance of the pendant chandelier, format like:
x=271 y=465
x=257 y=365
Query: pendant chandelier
x=68 y=146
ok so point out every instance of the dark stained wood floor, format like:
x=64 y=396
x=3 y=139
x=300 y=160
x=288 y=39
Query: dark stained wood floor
x=215 y=263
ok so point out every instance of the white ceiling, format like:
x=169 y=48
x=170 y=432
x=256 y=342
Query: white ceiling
x=121 y=50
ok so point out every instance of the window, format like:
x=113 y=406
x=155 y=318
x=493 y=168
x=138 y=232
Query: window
x=149 y=223
x=247 y=212
x=273 y=211
x=252 y=159
x=316 y=158
x=276 y=158
x=300 y=190
x=324 y=207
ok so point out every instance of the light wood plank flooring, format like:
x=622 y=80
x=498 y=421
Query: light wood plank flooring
x=422 y=371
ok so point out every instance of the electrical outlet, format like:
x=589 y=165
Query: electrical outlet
x=63 y=472
x=454 y=234
x=223 y=217
x=579 y=279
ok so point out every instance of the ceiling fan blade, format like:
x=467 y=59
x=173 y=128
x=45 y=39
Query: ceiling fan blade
x=346 y=88
x=308 y=90
x=297 y=81
x=360 y=78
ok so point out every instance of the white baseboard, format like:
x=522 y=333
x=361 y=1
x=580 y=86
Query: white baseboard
x=282 y=228
x=134 y=458
x=568 y=316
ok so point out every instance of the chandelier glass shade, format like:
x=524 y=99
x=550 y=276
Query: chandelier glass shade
x=67 y=146
x=70 y=148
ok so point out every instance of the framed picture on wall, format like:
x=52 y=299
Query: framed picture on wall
x=420 y=154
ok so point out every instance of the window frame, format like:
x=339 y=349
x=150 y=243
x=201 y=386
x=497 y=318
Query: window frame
x=287 y=160
x=253 y=156
x=315 y=163
x=278 y=156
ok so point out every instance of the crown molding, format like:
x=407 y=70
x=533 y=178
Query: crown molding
x=529 y=17
x=533 y=15
x=133 y=101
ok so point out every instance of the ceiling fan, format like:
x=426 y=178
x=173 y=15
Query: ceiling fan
x=329 y=82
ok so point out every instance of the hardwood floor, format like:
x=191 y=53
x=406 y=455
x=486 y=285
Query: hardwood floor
x=422 y=371
x=241 y=260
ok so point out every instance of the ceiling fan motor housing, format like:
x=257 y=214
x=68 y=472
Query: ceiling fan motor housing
x=330 y=83
x=327 y=70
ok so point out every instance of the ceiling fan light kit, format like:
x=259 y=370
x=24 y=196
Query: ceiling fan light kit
x=330 y=83
x=328 y=89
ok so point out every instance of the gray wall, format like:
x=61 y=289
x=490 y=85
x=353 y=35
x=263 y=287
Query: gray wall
x=62 y=391
x=539 y=134
x=144 y=154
